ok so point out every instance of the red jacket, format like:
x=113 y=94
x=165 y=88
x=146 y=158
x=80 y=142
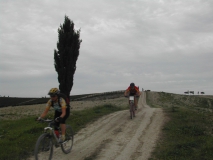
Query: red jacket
x=132 y=91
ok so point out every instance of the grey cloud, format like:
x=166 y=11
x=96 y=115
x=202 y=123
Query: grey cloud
x=160 y=45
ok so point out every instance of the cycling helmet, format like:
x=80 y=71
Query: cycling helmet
x=132 y=84
x=53 y=91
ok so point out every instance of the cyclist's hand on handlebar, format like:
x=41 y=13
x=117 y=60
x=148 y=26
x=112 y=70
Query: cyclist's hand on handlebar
x=58 y=119
x=38 y=119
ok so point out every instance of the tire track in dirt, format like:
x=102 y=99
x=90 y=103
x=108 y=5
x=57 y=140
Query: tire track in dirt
x=117 y=137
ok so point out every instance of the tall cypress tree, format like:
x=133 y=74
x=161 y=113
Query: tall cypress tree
x=65 y=57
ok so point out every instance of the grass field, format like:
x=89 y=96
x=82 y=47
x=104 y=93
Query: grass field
x=186 y=135
x=188 y=132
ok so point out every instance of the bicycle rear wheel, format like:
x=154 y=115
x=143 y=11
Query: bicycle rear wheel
x=44 y=147
x=67 y=145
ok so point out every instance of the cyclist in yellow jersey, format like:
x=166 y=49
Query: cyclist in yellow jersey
x=62 y=112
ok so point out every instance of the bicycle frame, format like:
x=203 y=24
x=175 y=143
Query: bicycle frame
x=131 y=99
x=45 y=142
x=132 y=104
x=50 y=129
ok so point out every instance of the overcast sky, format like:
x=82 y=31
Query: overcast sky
x=161 y=45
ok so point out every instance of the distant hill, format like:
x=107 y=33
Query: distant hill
x=16 y=101
x=162 y=99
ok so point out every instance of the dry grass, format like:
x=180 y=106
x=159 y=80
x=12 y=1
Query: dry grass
x=8 y=113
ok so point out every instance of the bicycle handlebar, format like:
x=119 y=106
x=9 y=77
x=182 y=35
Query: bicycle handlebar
x=51 y=122
x=45 y=120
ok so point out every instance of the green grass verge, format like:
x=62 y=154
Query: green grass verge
x=18 y=137
x=186 y=136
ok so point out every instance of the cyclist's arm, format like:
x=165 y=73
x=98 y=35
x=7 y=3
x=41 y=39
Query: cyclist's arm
x=44 y=113
x=63 y=107
x=63 y=112
x=126 y=93
x=138 y=92
x=48 y=105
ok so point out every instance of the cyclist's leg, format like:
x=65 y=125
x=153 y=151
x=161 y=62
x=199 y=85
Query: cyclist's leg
x=63 y=123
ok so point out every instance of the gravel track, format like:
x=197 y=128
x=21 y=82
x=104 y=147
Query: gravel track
x=117 y=137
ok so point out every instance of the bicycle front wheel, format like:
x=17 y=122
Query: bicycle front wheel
x=67 y=145
x=131 y=111
x=44 y=147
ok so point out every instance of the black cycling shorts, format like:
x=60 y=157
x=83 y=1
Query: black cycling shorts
x=132 y=94
x=58 y=114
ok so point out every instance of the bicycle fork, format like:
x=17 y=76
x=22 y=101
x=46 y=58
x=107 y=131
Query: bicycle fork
x=132 y=110
x=51 y=132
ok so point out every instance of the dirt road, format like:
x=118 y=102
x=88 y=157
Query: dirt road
x=117 y=137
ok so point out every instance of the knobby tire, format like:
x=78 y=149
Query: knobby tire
x=67 y=145
x=131 y=111
x=44 y=147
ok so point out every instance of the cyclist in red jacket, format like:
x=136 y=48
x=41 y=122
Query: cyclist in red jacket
x=132 y=90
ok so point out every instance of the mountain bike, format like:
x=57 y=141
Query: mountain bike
x=132 y=107
x=44 y=144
